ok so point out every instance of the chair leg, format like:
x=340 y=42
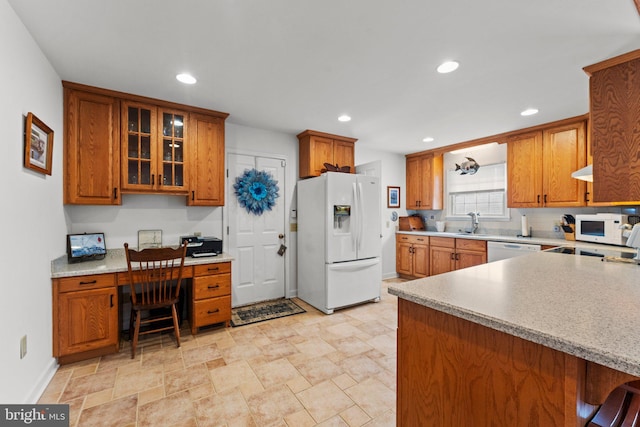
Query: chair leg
x=176 y=327
x=134 y=343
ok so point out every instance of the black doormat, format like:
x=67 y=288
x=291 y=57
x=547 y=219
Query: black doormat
x=264 y=311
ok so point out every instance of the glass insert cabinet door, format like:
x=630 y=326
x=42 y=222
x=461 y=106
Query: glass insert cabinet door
x=154 y=155
x=141 y=124
x=172 y=170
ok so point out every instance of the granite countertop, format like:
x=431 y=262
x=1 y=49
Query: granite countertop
x=579 y=305
x=114 y=262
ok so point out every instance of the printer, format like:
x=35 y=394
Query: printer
x=202 y=246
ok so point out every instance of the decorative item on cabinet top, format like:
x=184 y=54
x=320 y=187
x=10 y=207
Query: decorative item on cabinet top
x=411 y=223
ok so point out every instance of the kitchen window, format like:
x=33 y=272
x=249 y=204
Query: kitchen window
x=483 y=192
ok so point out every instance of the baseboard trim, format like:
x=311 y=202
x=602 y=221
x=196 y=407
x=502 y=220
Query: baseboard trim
x=43 y=382
x=393 y=275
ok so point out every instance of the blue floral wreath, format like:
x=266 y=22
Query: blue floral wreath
x=256 y=190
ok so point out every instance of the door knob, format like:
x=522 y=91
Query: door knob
x=280 y=236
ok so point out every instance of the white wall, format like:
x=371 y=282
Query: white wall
x=393 y=175
x=33 y=228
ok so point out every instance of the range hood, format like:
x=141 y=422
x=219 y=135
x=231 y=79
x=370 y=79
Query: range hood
x=584 y=174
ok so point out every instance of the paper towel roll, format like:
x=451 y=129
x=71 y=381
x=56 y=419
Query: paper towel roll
x=525 y=226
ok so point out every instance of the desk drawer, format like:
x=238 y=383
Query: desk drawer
x=81 y=283
x=211 y=286
x=209 y=269
x=211 y=311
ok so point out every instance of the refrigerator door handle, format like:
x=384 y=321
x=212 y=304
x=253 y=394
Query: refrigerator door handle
x=360 y=216
x=354 y=234
x=354 y=265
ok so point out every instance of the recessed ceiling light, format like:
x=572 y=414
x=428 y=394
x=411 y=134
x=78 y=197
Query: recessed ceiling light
x=344 y=118
x=427 y=139
x=186 y=78
x=529 y=112
x=447 y=67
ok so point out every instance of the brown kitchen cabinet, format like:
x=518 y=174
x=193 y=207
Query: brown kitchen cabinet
x=153 y=149
x=614 y=91
x=540 y=163
x=318 y=148
x=91 y=148
x=207 y=160
x=424 y=181
x=412 y=256
x=449 y=254
x=119 y=143
x=85 y=317
x=211 y=300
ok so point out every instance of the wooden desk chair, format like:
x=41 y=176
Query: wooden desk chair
x=155 y=276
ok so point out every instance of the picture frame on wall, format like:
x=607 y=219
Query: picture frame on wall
x=38 y=145
x=393 y=197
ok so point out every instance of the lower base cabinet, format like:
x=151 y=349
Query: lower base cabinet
x=412 y=256
x=211 y=301
x=87 y=314
x=85 y=317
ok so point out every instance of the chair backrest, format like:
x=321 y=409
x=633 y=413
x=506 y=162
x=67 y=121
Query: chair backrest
x=157 y=272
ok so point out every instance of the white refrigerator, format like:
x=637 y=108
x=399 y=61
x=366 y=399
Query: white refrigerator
x=339 y=243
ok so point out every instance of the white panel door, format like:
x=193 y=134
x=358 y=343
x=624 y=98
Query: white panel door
x=254 y=240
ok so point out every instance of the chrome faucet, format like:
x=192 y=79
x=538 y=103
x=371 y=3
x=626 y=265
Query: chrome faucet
x=474 y=221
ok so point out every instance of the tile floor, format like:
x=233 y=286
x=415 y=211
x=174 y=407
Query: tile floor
x=308 y=369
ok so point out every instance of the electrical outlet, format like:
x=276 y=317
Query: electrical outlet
x=293 y=226
x=23 y=347
x=197 y=233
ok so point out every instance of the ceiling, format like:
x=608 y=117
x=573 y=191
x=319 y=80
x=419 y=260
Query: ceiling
x=291 y=65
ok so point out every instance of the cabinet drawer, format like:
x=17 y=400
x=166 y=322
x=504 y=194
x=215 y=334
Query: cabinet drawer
x=472 y=245
x=443 y=242
x=80 y=283
x=214 y=268
x=407 y=238
x=211 y=311
x=211 y=286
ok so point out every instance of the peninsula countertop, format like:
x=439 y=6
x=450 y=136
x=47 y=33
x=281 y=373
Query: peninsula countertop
x=115 y=262
x=579 y=305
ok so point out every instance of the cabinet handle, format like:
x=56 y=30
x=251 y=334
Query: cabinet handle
x=217 y=310
x=92 y=282
x=545 y=199
x=115 y=193
x=453 y=256
x=193 y=195
x=153 y=180
x=213 y=287
x=457 y=257
x=111 y=301
x=586 y=196
x=160 y=180
x=213 y=268
x=538 y=199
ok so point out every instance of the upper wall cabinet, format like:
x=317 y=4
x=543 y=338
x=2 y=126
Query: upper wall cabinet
x=540 y=163
x=424 y=181
x=119 y=143
x=207 y=154
x=318 y=148
x=614 y=88
x=91 y=148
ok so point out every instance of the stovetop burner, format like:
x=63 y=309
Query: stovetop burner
x=595 y=252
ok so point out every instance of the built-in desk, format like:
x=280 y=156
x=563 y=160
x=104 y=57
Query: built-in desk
x=87 y=297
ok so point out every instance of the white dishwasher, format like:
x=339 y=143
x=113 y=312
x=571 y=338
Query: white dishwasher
x=503 y=250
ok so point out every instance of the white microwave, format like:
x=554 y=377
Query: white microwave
x=605 y=228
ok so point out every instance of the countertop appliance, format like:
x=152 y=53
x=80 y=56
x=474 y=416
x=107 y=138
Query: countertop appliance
x=503 y=250
x=605 y=228
x=202 y=246
x=339 y=244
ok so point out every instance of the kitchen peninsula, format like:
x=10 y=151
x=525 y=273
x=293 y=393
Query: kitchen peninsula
x=536 y=340
x=87 y=300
